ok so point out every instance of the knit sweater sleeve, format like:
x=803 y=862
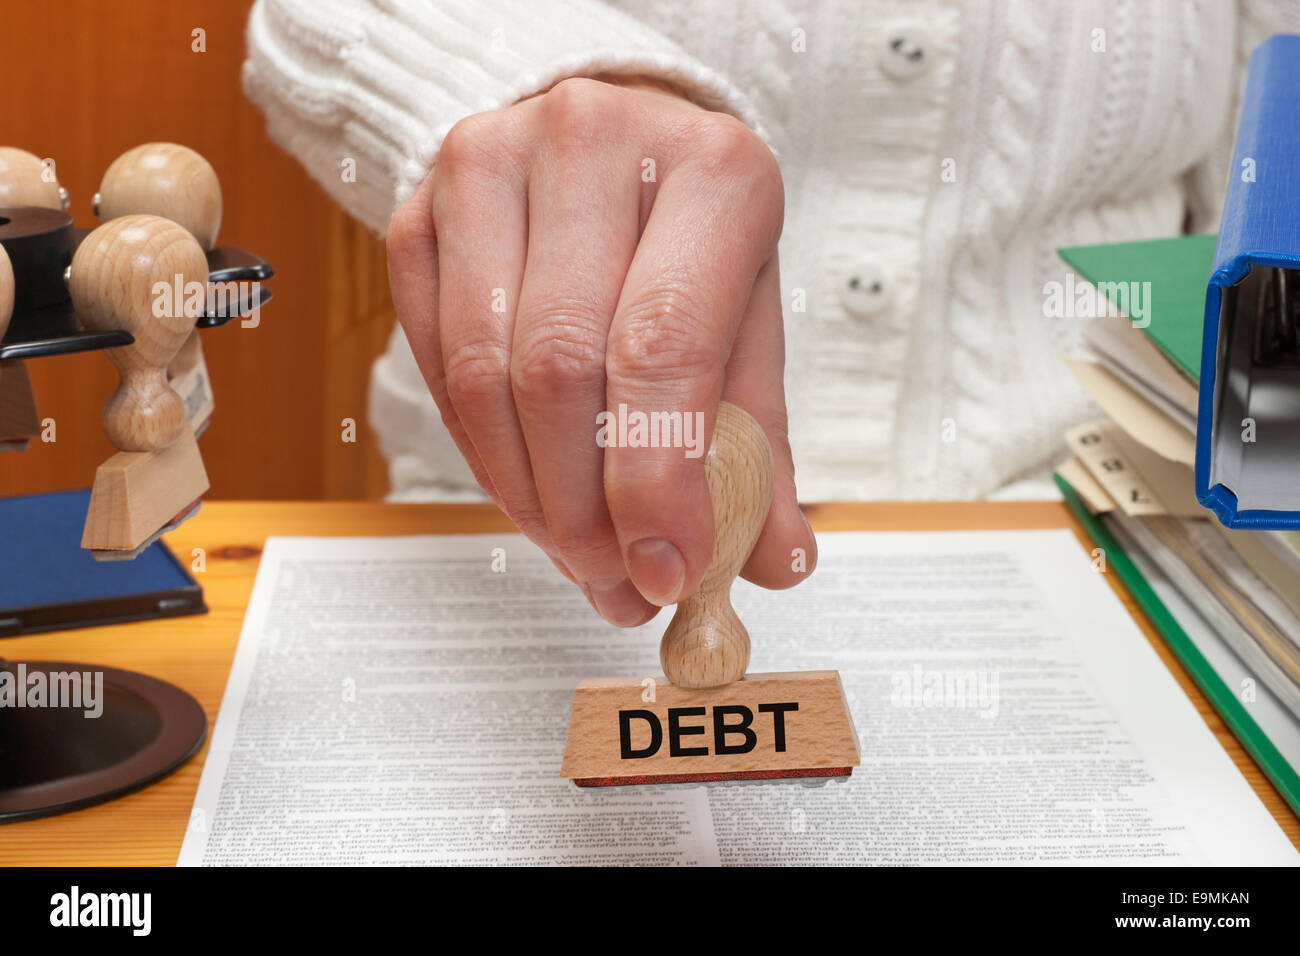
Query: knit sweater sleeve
x=362 y=92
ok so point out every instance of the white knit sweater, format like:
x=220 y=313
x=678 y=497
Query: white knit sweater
x=936 y=153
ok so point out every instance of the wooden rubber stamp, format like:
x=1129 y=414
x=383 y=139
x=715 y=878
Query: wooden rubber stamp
x=25 y=180
x=176 y=183
x=707 y=720
x=18 y=422
x=120 y=278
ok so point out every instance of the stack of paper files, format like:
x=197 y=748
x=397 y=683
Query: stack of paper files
x=1227 y=602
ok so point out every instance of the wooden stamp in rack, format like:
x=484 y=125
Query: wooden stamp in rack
x=156 y=477
x=119 y=288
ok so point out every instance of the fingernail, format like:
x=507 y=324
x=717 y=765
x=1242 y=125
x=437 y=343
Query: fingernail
x=618 y=601
x=658 y=570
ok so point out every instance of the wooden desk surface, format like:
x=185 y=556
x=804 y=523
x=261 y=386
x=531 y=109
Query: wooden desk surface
x=146 y=828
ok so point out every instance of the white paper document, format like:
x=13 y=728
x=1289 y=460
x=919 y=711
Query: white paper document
x=405 y=701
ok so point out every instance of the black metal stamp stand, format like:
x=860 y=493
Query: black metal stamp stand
x=54 y=759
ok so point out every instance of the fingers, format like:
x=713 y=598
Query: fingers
x=480 y=207
x=714 y=223
x=412 y=246
x=583 y=213
x=558 y=287
x=786 y=550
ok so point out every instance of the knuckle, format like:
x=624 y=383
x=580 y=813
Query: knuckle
x=464 y=144
x=565 y=350
x=405 y=228
x=476 y=377
x=731 y=152
x=525 y=511
x=576 y=109
x=764 y=181
x=477 y=147
x=663 y=337
x=408 y=242
x=728 y=142
x=585 y=546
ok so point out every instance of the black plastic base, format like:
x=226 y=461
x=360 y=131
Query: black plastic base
x=54 y=759
x=41 y=243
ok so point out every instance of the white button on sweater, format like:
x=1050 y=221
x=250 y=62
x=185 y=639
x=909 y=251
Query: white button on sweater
x=946 y=149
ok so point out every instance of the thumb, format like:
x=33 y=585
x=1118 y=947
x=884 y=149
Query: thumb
x=786 y=550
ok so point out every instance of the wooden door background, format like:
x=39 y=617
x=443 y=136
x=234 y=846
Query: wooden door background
x=84 y=80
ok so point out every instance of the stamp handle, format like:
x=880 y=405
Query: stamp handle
x=706 y=645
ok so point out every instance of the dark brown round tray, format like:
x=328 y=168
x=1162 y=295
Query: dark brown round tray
x=55 y=759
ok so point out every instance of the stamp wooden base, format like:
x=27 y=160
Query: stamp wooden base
x=18 y=421
x=137 y=493
x=627 y=731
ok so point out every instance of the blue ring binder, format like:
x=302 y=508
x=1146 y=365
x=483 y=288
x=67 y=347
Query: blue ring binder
x=1248 y=413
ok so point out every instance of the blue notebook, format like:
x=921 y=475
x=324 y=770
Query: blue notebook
x=48 y=582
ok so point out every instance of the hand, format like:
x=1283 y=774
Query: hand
x=596 y=246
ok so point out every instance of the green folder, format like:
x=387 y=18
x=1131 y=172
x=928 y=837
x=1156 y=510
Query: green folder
x=1178 y=270
x=1239 y=721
